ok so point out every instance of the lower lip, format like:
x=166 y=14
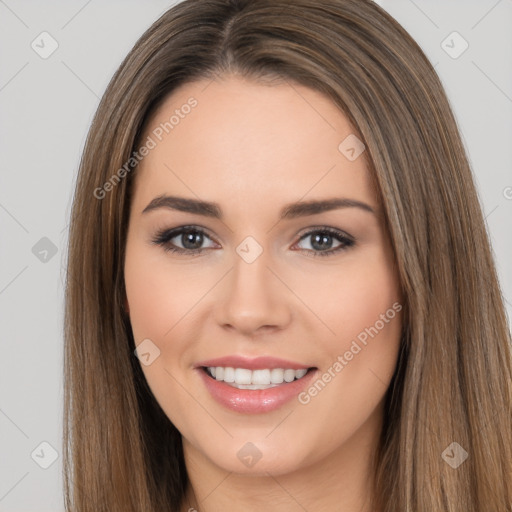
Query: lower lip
x=254 y=401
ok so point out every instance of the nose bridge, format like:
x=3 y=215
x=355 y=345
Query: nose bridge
x=252 y=296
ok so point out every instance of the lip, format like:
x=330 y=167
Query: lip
x=254 y=401
x=255 y=363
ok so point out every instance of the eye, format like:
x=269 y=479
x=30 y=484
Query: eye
x=322 y=240
x=191 y=239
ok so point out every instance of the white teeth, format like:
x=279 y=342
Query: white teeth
x=289 y=375
x=300 y=373
x=243 y=378
x=261 y=377
x=229 y=375
x=277 y=375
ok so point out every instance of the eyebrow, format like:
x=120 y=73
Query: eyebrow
x=289 y=211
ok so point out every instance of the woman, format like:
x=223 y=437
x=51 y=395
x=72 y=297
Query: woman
x=212 y=360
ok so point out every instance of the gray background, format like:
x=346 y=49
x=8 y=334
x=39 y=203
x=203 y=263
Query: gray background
x=46 y=108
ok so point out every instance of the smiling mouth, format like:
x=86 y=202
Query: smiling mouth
x=243 y=378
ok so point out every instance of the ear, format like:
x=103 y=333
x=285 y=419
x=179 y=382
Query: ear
x=126 y=306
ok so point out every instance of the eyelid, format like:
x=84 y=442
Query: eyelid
x=169 y=233
x=346 y=241
x=328 y=229
x=163 y=237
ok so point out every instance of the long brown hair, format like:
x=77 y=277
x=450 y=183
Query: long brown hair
x=453 y=380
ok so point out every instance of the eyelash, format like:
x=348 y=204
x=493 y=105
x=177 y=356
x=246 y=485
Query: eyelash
x=164 y=236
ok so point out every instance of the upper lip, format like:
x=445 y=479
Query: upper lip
x=255 y=363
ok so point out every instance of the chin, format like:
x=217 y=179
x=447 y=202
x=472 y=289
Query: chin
x=258 y=458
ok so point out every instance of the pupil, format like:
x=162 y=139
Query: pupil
x=193 y=238
x=320 y=239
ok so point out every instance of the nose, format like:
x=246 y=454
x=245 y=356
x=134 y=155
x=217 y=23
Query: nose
x=252 y=299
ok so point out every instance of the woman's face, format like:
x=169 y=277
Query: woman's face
x=272 y=279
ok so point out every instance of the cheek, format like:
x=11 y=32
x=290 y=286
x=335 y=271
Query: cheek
x=159 y=295
x=362 y=306
x=371 y=339
x=159 y=298
x=353 y=297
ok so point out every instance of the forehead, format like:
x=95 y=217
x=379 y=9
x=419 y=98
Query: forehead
x=230 y=137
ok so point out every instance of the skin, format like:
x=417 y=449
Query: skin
x=252 y=148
